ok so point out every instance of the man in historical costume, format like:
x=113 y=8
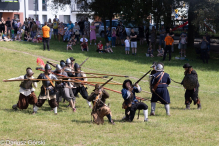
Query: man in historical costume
x=80 y=87
x=27 y=95
x=68 y=68
x=153 y=66
x=159 y=84
x=100 y=109
x=131 y=104
x=47 y=90
x=191 y=79
x=63 y=88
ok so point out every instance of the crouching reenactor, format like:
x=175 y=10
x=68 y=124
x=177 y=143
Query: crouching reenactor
x=131 y=104
x=100 y=109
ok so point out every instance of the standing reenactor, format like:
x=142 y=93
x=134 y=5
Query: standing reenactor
x=100 y=109
x=131 y=104
x=190 y=82
x=47 y=90
x=27 y=95
x=63 y=88
x=159 y=84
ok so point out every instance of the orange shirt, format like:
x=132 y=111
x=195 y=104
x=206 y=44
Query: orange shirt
x=45 y=30
x=169 y=40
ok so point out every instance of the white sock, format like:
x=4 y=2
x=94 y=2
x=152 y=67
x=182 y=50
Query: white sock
x=167 y=107
x=145 y=115
x=89 y=103
x=55 y=110
x=35 y=109
x=153 y=106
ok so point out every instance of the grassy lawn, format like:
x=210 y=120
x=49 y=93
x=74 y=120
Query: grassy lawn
x=184 y=127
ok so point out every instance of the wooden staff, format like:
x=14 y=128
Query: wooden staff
x=99 y=74
x=81 y=77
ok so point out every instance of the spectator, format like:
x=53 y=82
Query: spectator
x=70 y=25
x=61 y=31
x=121 y=33
x=18 y=23
x=204 y=50
x=72 y=40
x=12 y=33
x=39 y=38
x=14 y=25
x=8 y=24
x=83 y=38
x=34 y=40
x=56 y=18
x=2 y=25
x=127 y=45
x=55 y=28
x=147 y=35
x=66 y=35
x=117 y=34
x=141 y=34
x=99 y=47
x=29 y=39
x=69 y=46
x=172 y=35
x=87 y=27
x=183 y=42
x=31 y=23
x=162 y=36
x=46 y=36
x=50 y=25
x=1 y=37
x=34 y=29
x=92 y=33
x=109 y=35
x=26 y=25
x=153 y=38
x=25 y=36
x=84 y=46
x=133 y=37
x=114 y=37
x=160 y=52
x=108 y=48
x=5 y=38
x=168 y=42
x=77 y=31
x=208 y=38
x=19 y=32
x=38 y=23
x=150 y=52
x=81 y=24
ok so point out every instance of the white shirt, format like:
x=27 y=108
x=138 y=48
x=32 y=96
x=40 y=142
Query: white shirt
x=127 y=43
x=81 y=40
x=25 y=92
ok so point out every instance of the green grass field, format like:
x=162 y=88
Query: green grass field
x=184 y=127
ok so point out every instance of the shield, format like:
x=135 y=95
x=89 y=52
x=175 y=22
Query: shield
x=190 y=82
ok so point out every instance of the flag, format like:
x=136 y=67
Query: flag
x=40 y=62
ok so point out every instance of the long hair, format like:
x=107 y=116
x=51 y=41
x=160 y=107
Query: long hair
x=188 y=71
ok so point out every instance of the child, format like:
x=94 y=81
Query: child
x=69 y=46
x=17 y=38
x=73 y=40
x=108 y=49
x=160 y=52
x=19 y=32
x=109 y=35
x=127 y=45
x=39 y=38
x=5 y=38
x=113 y=37
x=84 y=46
x=12 y=33
x=29 y=39
x=150 y=51
x=35 y=40
x=99 y=47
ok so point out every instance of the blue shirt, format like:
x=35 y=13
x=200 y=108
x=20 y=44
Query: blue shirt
x=70 y=26
x=126 y=94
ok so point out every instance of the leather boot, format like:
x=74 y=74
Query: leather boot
x=187 y=107
x=199 y=106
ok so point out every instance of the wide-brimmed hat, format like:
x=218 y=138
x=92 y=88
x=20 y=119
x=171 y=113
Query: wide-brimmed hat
x=154 y=64
x=187 y=65
x=124 y=86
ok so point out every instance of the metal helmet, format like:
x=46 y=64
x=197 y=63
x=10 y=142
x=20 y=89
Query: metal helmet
x=76 y=66
x=62 y=63
x=29 y=72
x=159 y=67
x=58 y=67
x=47 y=67
x=68 y=61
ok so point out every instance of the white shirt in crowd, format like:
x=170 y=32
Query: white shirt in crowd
x=81 y=40
x=127 y=43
